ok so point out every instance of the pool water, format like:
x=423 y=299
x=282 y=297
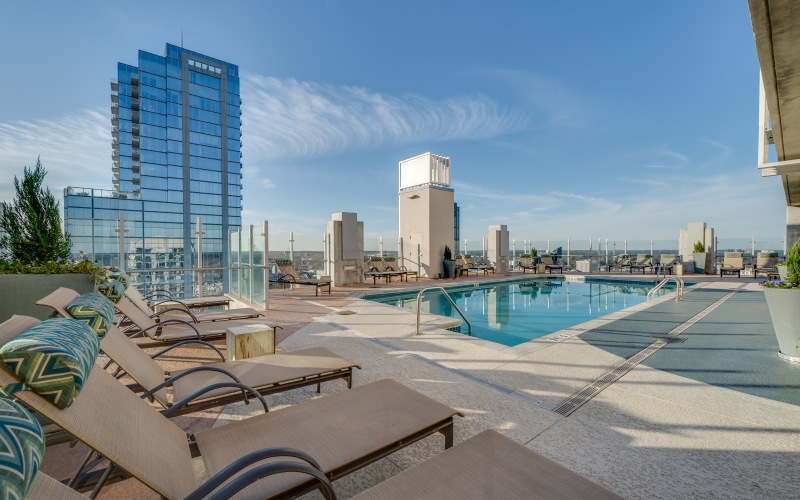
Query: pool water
x=511 y=313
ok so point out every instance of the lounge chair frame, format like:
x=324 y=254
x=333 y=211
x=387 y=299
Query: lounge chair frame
x=288 y=275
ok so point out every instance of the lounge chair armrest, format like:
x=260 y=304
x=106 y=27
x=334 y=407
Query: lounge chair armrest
x=213 y=387
x=310 y=467
x=166 y=301
x=191 y=341
x=172 y=322
x=157 y=316
x=287 y=278
x=203 y=368
x=158 y=293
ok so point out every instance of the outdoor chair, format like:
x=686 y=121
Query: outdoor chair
x=391 y=265
x=164 y=330
x=466 y=262
x=323 y=439
x=643 y=262
x=217 y=384
x=733 y=262
x=550 y=264
x=526 y=262
x=178 y=308
x=766 y=264
x=290 y=276
x=371 y=272
x=621 y=262
x=666 y=263
x=377 y=264
x=165 y=296
x=488 y=465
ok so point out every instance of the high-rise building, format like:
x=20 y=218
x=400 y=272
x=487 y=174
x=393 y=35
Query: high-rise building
x=176 y=154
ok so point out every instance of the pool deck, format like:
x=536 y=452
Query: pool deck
x=713 y=413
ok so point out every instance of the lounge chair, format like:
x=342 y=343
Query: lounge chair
x=766 y=264
x=391 y=265
x=176 y=308
x=550 y=264
x=621 y=262
x=152 y=299
x=265 y=375
x=732 y=262
x=165 y=330
x=371 y=272
x=343 y=432
x=468 y=264
x=666 y=263
x=290 y=276
x=488 y=465
x=643 y=262
x=377 y=264
x=526 y=262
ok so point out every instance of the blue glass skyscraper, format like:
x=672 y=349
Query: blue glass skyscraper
x=176 y=155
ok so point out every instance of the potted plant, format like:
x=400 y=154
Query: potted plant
x=36 y=250
x=783 y=301
x=701 y=258
x=535 y=255
x=448 y=264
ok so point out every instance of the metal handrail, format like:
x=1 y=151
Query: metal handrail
x=419 y=298
x=662 y=283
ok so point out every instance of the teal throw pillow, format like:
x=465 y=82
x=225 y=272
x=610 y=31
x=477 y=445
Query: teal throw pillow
x=121 y=277
x=21 y=449
x=112 y=289
x=95 y=310
x=52 y=359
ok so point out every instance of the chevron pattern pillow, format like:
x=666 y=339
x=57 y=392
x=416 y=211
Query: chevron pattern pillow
x=112 y=289
x=95 y=310
x=21 y=449
x=121 y=277
x=52 y=359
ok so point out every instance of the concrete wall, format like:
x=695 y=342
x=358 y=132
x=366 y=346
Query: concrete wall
x=426 y=219
x=792 y=226
x=346 y=235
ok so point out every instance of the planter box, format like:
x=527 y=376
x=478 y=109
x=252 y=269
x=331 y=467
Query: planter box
x=585 y=266
x=19 y=292
x=782 y=272
x=784 y=308
x=702 y=262
x=684 y=268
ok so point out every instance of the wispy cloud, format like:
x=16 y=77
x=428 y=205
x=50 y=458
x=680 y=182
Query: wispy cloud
x=75 y=150
x=286 y=118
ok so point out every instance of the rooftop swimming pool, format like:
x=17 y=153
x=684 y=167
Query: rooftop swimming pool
x=511 y=313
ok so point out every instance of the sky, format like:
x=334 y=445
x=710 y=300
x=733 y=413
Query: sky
x=578 y=119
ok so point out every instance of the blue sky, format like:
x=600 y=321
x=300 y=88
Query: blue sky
x=562 y=119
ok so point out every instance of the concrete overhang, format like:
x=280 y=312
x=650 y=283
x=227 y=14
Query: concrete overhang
x=776 y=27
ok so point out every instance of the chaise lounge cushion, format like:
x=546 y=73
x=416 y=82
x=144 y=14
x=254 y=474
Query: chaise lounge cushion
x=53 y=359
x=21 y=449
x=95 y=310
x=121 y=277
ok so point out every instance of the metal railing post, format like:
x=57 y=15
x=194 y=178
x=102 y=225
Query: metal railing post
x=252 y=263
x=199 y=234
x=265 y=234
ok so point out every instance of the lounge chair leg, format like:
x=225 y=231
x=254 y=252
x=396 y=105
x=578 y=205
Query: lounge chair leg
x=349 y=379
x=448 y=435
x=319 y=388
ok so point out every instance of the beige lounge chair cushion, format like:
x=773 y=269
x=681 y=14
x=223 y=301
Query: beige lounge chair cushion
x=489 y=465
x=336 y=430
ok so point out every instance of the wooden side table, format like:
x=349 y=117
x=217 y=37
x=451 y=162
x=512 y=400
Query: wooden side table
x=249 y=341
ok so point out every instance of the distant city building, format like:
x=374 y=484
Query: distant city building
x=176 y=154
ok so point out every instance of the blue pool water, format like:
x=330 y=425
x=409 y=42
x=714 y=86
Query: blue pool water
x=511 y=313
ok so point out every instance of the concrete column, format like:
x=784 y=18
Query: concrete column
x=792 y=226
x=346 y=253
x=498 y=247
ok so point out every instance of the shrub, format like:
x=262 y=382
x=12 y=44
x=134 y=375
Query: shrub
x=699 y=248
x=534 y=252
x=448 y=254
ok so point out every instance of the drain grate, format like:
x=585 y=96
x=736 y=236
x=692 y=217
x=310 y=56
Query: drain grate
x=578 y=399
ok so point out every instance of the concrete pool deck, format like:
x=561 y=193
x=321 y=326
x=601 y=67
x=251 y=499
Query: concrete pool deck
x=651 y=434
x=660 y=431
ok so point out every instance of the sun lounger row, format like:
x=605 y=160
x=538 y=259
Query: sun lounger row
x=283 y=453
x=466 y=263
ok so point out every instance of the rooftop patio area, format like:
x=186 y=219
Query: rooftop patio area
x=713 y=412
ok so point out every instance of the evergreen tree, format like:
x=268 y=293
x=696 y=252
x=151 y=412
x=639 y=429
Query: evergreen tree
x=33 y=222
